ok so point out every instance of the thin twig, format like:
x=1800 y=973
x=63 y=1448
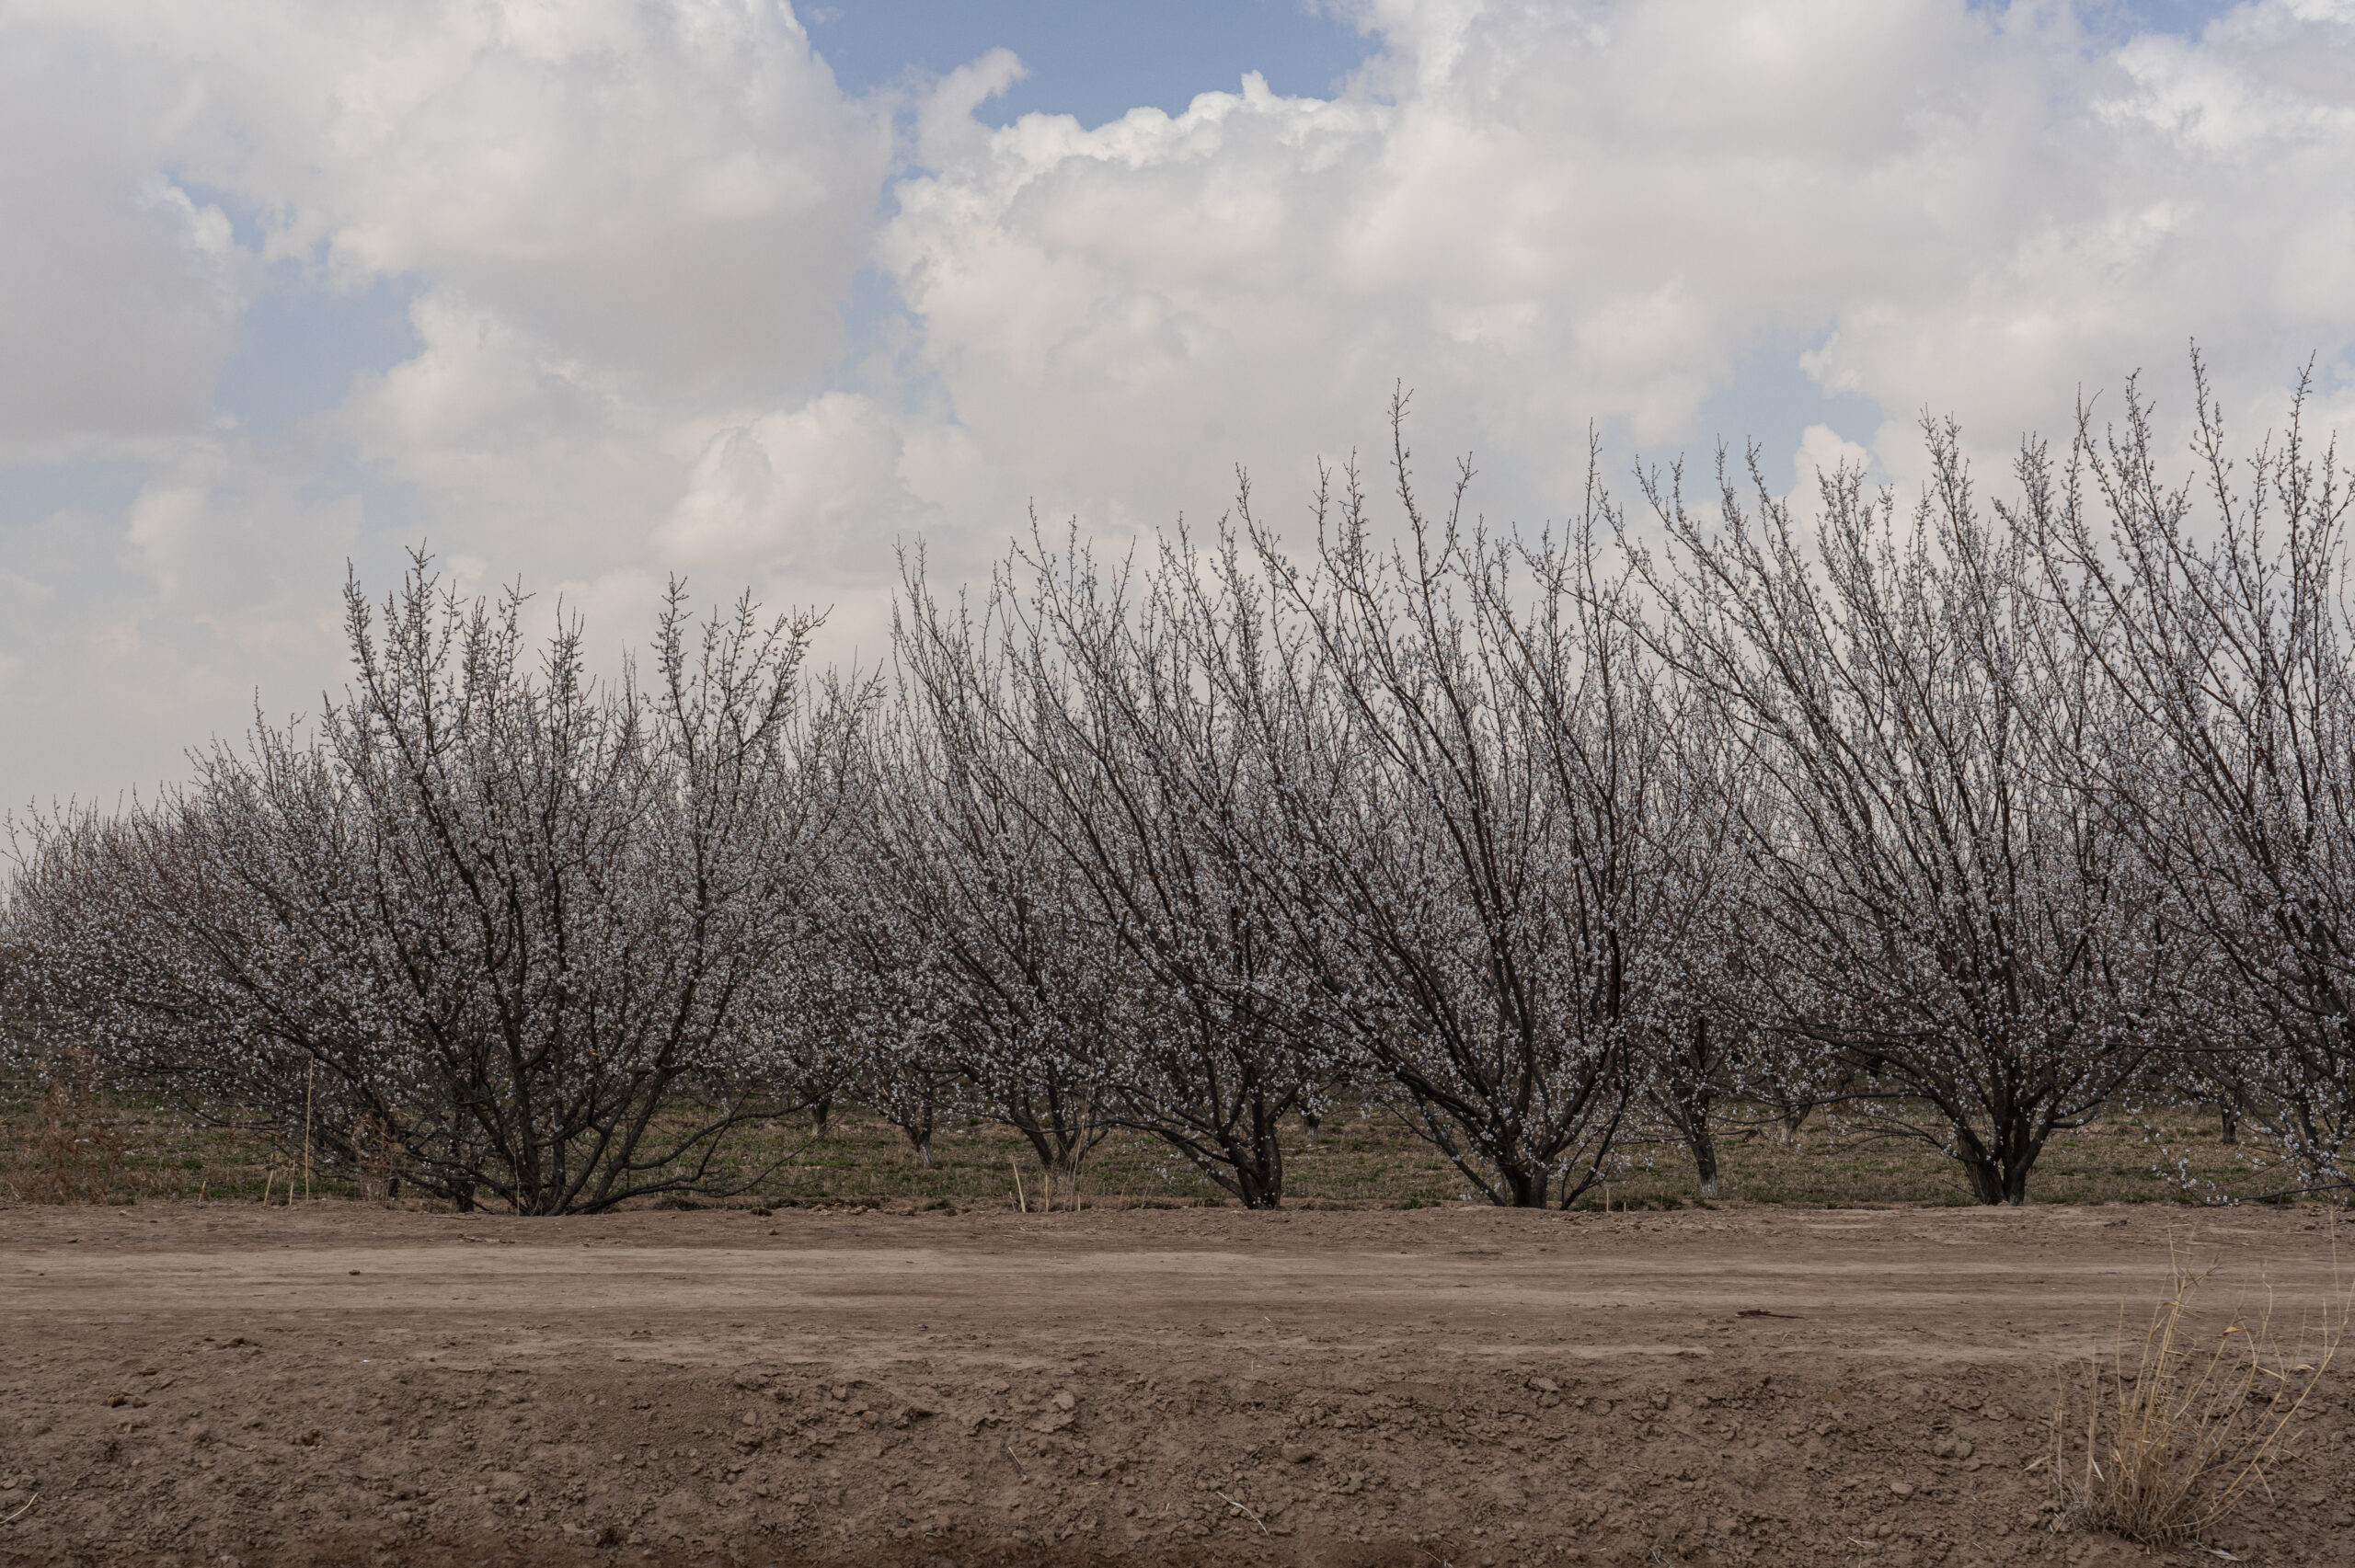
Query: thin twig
x=23 y=1511
x=1241 y=1509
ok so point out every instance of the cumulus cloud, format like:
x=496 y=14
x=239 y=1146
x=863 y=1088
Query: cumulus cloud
x=676 y=191
x=1822 y=454
x=1544 y=214
x=788 y=494
x=629 y=232
x=132 y=633
x=612 y=216
x=120 y=293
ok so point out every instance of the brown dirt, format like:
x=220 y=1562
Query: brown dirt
x=337 y=1383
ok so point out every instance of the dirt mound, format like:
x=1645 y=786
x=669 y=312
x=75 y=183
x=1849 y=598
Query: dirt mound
x=341 y=1384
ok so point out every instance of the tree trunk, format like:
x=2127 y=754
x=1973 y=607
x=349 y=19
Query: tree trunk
x=1986 y=1180
x=1258 y=1188
x=1793 y=1118
x=918 y=1129
x=1259 y=1168
x=1694 y=1088
x=1705 y=1155
x=1999 y=1174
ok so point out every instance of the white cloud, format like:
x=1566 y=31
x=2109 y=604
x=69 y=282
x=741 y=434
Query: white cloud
x=225 y=539
x=119 y=292
x=512 y=445
x=786 y=496
x=1607 y=211
x=611 y=214
x=136 y=636
x=1824 y=451
x=675 y=190
x=630 y=229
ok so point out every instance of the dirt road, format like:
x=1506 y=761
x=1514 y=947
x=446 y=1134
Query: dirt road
x=340 y=1383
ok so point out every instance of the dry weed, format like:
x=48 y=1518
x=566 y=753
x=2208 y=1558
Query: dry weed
x=379 y=1154
x=77 y=1152
x=2160 y=1447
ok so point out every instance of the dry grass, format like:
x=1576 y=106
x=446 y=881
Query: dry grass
x=2161 y=1441
x=76 y=1152
x=1362 y=1158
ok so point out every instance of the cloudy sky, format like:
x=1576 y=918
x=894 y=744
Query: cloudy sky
x=592 y=291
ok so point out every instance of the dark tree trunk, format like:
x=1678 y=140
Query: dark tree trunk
x=1705 y=1155
x=1259 y=1165
x=1526 y=1189
x=1691 y=1097
x=1233 y=1136
x=1998 y=1174
x=917 y=1121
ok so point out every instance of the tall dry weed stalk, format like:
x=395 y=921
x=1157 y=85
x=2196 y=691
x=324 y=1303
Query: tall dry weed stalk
x=2161 y=1447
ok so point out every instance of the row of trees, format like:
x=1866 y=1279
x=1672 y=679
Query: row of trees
x=1974 y=815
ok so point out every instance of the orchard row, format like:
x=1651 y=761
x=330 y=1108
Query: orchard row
x=1974 y=812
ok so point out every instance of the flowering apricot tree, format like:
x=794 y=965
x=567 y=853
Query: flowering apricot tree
x=540 y=936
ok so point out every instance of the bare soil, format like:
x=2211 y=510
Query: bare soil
x=341 y=1383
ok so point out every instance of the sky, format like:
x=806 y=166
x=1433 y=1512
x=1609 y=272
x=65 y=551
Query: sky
x=594 y=293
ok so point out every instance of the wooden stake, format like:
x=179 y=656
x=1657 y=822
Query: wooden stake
x=310 y=1080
